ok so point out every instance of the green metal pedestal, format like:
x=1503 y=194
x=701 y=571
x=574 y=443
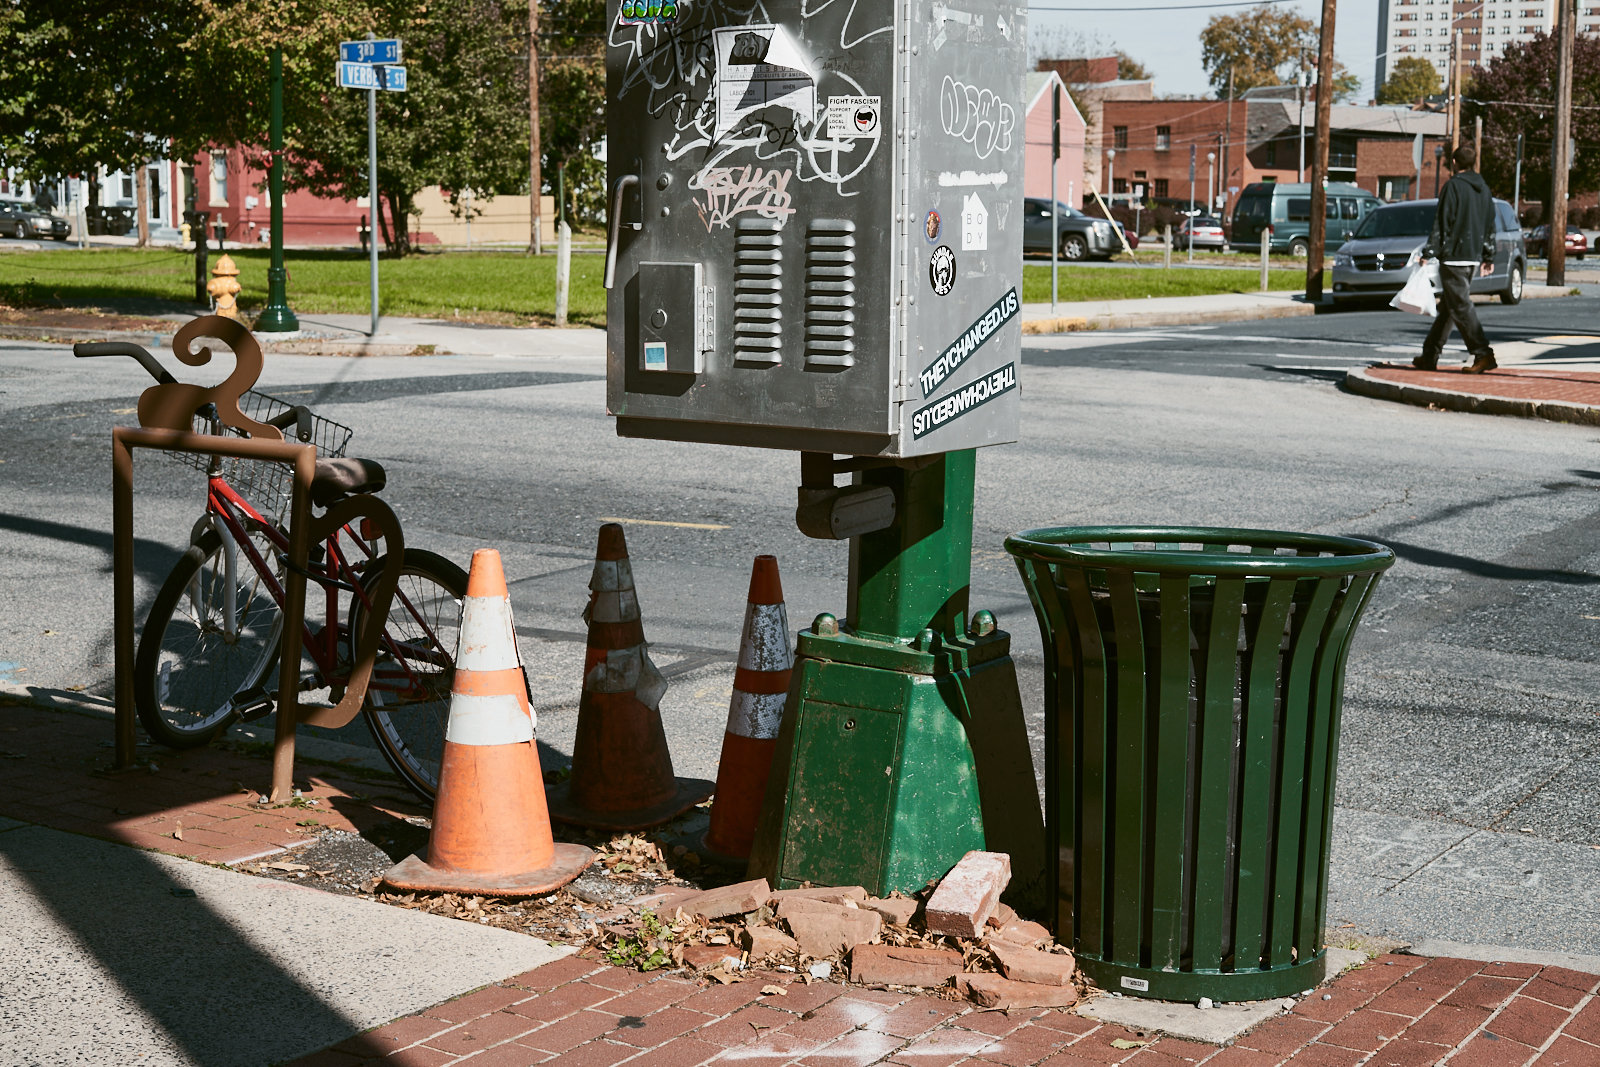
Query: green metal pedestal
x=903 y=745
x=276 y=316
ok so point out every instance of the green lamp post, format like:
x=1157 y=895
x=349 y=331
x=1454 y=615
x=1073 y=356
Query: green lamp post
x=276 y=317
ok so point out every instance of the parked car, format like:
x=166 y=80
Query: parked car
x=1538 y=240
x=1077 y=236
x=1202 y=231
x=23 y=218
x=112 y=219
x=1381 y=254
x=1286 y=207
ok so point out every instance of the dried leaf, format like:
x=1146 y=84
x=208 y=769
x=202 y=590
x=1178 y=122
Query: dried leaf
x=774 y=991
x=285 y=865
x=177 y=833
x=1123 y=1042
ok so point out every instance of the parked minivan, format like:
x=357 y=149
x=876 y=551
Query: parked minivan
x=1380 y=256
x=1286 y=207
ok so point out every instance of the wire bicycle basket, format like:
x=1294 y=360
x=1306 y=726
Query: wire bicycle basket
x=266 y=484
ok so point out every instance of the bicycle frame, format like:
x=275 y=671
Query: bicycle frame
x=334 y=574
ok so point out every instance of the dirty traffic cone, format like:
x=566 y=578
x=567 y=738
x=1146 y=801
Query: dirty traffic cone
x=760 y=686
x=621 y=770
x=491 y=829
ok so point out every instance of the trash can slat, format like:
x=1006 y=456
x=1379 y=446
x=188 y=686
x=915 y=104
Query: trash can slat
x=1214 y=808
x=1128 y=751
x=1089 y=834
x=1168 y=849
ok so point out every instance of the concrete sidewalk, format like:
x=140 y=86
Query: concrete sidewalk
x=117 y=954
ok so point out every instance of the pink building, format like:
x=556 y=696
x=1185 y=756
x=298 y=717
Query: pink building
x=1037 y=92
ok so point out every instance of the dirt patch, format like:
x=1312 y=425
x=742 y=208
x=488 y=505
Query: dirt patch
x=76 y=322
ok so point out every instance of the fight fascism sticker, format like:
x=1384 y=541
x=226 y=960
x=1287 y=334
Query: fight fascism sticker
x=960 y=350
x=952 y=407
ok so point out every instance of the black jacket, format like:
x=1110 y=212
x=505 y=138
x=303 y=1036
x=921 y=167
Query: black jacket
x=1464 y=226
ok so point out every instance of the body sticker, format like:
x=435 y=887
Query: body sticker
x=758 y=67
x=972 y=338
x=854 y=116
x=942 y=270
x=930 y=226
x=947 y=409
x=974 y=224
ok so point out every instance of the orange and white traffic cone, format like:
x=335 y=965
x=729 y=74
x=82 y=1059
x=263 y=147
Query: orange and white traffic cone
x=621 y=769
x=491 y=828
x=760 y=687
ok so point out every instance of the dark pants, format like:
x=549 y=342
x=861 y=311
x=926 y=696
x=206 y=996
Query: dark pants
x=1456 y=306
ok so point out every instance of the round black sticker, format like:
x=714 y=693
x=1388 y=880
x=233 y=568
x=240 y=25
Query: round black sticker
x=942 y=270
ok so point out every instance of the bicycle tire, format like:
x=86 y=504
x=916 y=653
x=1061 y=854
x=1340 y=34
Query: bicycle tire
x=409 y=727
x=186 y=671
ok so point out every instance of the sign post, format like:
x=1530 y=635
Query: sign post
x=276 y=316
x=1055 y=159
x=1190 y=242
x=372 y=65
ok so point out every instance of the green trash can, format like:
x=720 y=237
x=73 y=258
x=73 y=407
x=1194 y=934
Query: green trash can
x=1193 y=682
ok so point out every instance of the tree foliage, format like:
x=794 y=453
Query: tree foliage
x=1411 y=79
x=1516 y=94
x=1130 y=69
x=572 y=99
x=1263 y=46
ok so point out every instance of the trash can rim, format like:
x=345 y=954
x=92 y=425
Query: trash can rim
x=1065 y=544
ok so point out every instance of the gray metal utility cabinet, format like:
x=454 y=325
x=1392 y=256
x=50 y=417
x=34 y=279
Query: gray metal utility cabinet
x=816 y=223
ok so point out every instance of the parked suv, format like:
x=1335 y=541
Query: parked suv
x=1286 y=207
x=23 y=218
x=1077 y=235
x=1380 y=255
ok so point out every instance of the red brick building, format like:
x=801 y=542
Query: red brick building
x=1258 y=139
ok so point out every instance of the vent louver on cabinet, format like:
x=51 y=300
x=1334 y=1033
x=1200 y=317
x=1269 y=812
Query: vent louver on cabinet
x=758 y=276
x=830 y=293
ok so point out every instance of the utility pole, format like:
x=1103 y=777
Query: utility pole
x=276 y=316
x=1300 y=95
x=535 y=179
x=1455 y=91
x=1227 y=140
x=1319 y=165
x=1555 y=215
x=1516 y=195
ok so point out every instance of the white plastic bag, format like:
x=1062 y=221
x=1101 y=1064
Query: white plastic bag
x=1417 y=297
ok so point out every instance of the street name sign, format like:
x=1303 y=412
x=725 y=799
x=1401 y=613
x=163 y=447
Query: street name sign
x=372 y=76
x=385 y=51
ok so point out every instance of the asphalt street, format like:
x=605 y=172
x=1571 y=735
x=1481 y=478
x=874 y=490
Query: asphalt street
x=1470 y=752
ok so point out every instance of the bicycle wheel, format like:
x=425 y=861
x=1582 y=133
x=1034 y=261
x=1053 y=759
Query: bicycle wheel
x=408 y=699
x=192 y=657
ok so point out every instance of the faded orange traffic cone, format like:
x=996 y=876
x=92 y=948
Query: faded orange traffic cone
x=621 y=769
x=491 y=828
x=760 y=687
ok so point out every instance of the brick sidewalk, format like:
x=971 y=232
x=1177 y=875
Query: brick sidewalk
x=61 y=778
x=1397 y=1011
x=1514 y=383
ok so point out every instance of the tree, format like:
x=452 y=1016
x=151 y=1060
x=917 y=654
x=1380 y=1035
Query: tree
x=1411 y=79
x=1516 y=94
x=1255 y=47
x=461 y=124
x=572 y=95
x=1130 y=69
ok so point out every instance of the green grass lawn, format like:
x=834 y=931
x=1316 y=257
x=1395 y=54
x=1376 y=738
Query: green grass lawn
x=1136 y=283
x=505 y=287
x=479 y=286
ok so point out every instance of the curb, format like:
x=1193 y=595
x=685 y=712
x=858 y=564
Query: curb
x=1572 y=961
x=298 y=347
x=1119 y=320
x=1360 y=382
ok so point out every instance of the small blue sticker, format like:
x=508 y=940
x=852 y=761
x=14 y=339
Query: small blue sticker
x=655 y=355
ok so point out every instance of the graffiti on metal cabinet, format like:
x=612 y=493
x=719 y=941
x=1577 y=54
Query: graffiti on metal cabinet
x=976 y=116
x=806 y=11
x=732 y=191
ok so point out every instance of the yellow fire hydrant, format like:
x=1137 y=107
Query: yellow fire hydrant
x=224 y=288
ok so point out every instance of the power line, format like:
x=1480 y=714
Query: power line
x=1164 y=7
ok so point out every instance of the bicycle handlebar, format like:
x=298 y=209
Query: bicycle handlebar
x=125 y=348
x=299 y=415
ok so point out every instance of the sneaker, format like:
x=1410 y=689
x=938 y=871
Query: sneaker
x=1426 y=362
x=1481 y=364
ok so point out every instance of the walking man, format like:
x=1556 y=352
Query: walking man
x=1463 y=241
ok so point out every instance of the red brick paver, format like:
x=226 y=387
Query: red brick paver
x=1517 y=383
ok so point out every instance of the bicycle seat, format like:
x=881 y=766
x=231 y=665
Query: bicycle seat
x=336 y=479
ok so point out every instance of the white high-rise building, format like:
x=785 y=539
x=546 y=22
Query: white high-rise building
x=1423 y=28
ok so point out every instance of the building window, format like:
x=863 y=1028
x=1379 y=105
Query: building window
x=1119 y=137
x=1161 y=189
x=1163 y=138
x=1272 y=154
x=1119 y=186
x=219 y=180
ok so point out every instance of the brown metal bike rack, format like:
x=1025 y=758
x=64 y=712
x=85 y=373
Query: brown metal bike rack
x=166 y=419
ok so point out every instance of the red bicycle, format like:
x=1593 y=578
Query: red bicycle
x=208 y=654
